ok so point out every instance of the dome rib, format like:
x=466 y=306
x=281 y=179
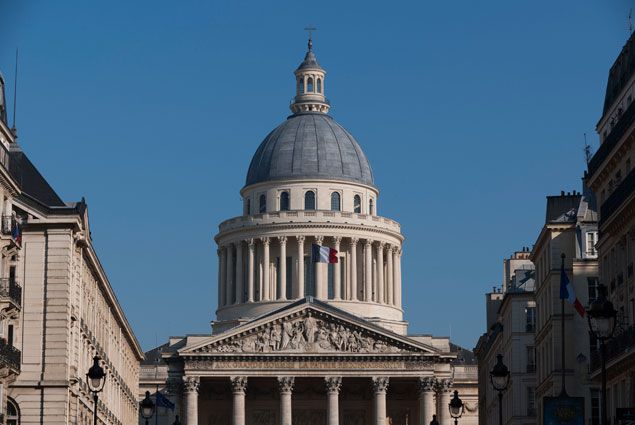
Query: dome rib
x=294 y=150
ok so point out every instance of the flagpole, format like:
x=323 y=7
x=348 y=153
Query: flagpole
x=156 y=414
x=564 y=391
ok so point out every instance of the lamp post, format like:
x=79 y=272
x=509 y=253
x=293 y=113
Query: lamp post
x=601 y=316
x=147 y=407
x=499 y=376
x=96 y=378
x=176 y=421
x=456 y=407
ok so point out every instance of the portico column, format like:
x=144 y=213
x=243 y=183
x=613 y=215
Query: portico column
x=239 y=273
x=250 y=278
x=368 y=268
x=389 y=276
x=443 y=400
x=265 y=269
x=285 y=384
x=190 y=386
x=282 y=290
x=229 y=275
x=333 y=385
x=380 y=273
x=319 y=284
x=223 y=276
x=397 y=276
x=352 y=295
x=426 y=400
x=300 y=285
x=380 y=387
x=337 y=282
x=239 y=386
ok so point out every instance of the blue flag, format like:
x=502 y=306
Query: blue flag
x=164 y=402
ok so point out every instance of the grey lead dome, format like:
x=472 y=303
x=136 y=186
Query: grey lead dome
x=309 y=145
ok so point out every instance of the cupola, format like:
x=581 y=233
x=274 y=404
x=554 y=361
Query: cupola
x=309 y=96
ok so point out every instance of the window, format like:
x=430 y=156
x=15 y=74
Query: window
x=531 y=359
x=530 y=319
x=595 y=407
x=319 y=85
x=335 y=201
x=371 y=207
x=531 y=401
x=284 y=201
x=591 y=240
x=309 y=276
x=309 y=200
x=300 y=86
x=357 y=204
x=593 y=288
x=263 y=204
x=13 y=413
x=248 y=207
x=309 y=85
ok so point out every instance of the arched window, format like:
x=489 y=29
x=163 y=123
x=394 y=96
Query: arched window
x=300 y=85
x=263 y=204
x=335 y=200
x=13 y=413
x=309 y=200
x=319 y=85
x=309 y=85
x=371 y=207
x=247 y=206
x=284 y=201
x=357 y=204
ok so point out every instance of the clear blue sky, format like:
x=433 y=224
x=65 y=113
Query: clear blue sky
x=470 y=113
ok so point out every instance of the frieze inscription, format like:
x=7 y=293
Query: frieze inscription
x=307 y=364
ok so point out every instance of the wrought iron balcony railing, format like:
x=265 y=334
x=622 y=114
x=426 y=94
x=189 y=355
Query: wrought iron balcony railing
x=624 y=123
x=10 y=356
x=616 y=346
x=617 y=198
x=10 y=289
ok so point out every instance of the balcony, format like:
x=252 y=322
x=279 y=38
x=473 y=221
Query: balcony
x=10 y=356
x=11 y=291
x=618 y=197
x=612 y=139
x=615 y=347
x=11 y=227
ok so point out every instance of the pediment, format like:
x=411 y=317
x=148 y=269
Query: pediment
x=310 y=329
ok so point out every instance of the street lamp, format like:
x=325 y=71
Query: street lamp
x=96 y=378
x=147 y=407
x=601 y=316
x=176 y=421
x=456 y=407
x=500 y=379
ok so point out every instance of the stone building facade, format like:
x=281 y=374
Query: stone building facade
x=511 y=333
x=569 y=229
x=302 y=342
x=67 y=312
x=611 y=176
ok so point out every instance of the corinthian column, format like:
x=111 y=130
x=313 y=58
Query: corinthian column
x=333 y=385
x=368 y=268
x=265 y=269
x=285 y=384
x=380 y=273
x=250 y=278
x=239 y=386
x=444 y=395
x=426 y=399
x=190 y=387
x=337 y=281
x=229 y=275
x=300 y=285
x=390 y=287
x=239 y=273
x=282 y=290
x=352 y=293
x=223 y=276
x=380 y=387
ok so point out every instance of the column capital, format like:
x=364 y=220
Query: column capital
x=380 y=384
x=191 y=383
x=265 y=241
x=337 y=240
x=427 y=384
x=219 y=252
x=300 y=238
x=368 y=243
x=354 y=241
x=282 y=240
x=251 y=242
x=238 y=383
x=319 y=239
x=285 y=383
x=381 y=244
x=444 y=385
x=333 y=384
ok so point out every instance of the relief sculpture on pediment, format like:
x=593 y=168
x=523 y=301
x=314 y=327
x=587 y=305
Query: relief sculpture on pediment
x=304 y=334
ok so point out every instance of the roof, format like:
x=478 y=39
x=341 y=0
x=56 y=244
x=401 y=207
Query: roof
x=31 y=181
x=562 y=208
x=310 y=61
x=621 y=72
x=309 y=145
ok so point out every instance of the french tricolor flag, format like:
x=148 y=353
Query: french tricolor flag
x=567 y=292
x=323 y=254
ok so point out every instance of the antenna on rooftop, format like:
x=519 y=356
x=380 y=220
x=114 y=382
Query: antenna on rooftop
x=587 y=151
x=15 y=91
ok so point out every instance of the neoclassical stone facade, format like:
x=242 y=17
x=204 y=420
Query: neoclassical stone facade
x=301 y=342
